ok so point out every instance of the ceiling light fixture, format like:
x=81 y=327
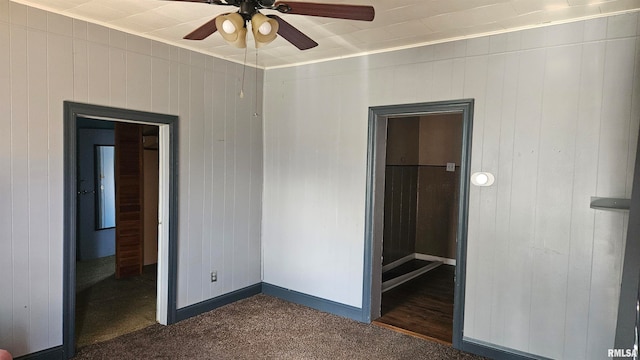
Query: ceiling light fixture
x=233 y=29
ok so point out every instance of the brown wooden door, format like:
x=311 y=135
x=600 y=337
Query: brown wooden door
x=129 y=199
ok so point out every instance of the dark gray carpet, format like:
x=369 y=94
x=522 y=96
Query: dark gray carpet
x=264 y=327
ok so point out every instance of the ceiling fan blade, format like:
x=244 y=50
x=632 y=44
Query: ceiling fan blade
x=203 y=31
x=293 y=35
x=337 y=11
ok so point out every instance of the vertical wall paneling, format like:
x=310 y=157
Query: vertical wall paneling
x=218 y=99
x=6 y=217
x=555 y=119
x=504 y=171
x=479 y=249
x=491 y=158
x=584 y=182
x=19 y=188
x=117 y=72
x=519 y=264
x=37 y=148
x=608 y=241
x=50 y=58
x=554 y=196
x=185 y=168
x=60 y=75
x=196 y=179
x=255 y=208
x=138 y=86
x=231 y=95
x=207 y=195
x=243 y=111
x=98 y=75
x=80 y=66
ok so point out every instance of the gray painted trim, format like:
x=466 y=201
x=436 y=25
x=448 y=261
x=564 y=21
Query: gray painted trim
x=72 y=110
x=496 y=352
x=54 y=353
x=629 y=292
x=211 y=304
x=372 y=260
x=313 y=302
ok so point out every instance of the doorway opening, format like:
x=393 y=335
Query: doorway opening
x=120 y=251
x=109 y=300
x=417 y=195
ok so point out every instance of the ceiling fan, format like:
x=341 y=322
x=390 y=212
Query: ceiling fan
x=232 y=26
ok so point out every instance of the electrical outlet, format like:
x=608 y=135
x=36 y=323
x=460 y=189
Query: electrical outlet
x=214 y=276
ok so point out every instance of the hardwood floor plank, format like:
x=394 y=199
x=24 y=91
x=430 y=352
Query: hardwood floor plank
x=423 y=305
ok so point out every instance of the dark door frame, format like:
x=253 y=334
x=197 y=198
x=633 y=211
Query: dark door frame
x=376 y=160
x=72 y=111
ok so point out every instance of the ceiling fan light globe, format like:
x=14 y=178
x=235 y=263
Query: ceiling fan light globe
x=228 y=27
x=233 y=22
x=265 y=28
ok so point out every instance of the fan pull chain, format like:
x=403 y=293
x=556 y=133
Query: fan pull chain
x=244 y=69
x=256 y=95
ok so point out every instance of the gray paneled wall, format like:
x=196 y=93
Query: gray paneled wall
x=46 y=59
x=556 y=118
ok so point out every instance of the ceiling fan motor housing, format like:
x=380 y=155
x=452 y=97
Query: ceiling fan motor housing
x=248 y=9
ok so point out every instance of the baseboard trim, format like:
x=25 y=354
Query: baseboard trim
x=211 y=304
x=54 y=353
x=417 y=256
x=426 y=257
x=395 y=264
x=496 y=352
x=390 y=284
x=314 y=302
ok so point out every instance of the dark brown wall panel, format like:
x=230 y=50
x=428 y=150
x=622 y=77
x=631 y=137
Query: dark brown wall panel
x=399 y=212
x=437 y=211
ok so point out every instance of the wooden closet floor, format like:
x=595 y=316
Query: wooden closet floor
x=422 y=306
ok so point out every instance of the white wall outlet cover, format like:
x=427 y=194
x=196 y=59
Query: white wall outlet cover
x=482 y=179
x=451 y=167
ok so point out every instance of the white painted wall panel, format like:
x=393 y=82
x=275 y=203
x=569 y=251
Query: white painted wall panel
x=98 y=74
x=503 y=195
x=207 y=194
x=20 y=189
x=60 y=70
x=609 y=234
x=73 y=60
x=196 y=182
x=554 y=196
x=555 y=119
x=38 y=203
x=217 y=138
x=183 y=185
x=118 y=77
x=6 y=217
x=582 y=217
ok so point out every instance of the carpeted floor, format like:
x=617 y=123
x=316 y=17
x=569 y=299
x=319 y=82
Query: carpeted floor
x=264 y=327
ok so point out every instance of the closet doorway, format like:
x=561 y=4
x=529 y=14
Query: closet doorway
x=419 y=156
x=422 y=190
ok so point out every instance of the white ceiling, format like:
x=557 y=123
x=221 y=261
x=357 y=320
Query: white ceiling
x=398 y=23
